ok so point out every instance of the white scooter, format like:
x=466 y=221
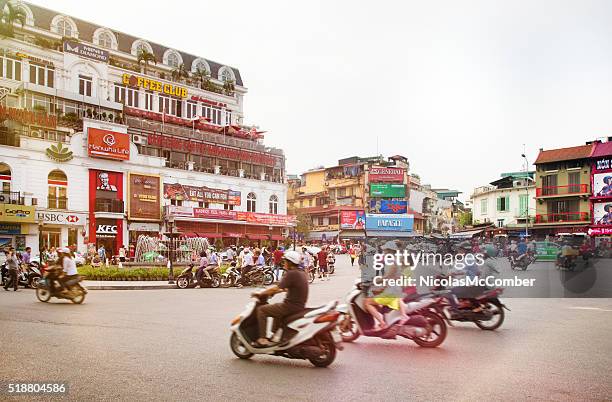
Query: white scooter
x=311 y=334
x=424 y=326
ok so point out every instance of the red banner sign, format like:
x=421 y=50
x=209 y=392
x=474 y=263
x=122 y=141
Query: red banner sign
x=266 y=219
x=215 y=213
x=203 y=148
x=28 y=117
x=108 y=144
x=387 y=175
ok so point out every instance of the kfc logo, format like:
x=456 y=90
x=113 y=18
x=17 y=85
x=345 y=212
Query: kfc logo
x=104 y=183
x=109 y=140
x=106 y=229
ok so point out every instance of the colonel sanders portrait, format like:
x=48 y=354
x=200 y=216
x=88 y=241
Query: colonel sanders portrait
x=104 y=184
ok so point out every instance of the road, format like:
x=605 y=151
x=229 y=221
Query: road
x=173 y=344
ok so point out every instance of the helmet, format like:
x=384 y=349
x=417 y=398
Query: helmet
x=64 y=250
x=293 y=257
x=390 y=245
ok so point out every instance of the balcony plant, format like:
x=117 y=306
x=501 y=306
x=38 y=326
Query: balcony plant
x=10 y=14
x=229 y=87
x=145 y=57
x=201 y=75
x=180 y=73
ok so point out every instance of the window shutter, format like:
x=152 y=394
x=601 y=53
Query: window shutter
x=499 y=203
x=507 y=203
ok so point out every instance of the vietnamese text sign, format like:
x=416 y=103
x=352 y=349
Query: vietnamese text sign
x=386 y=174
x=387 y=190
x=398 y=223
x=388 y=206
x=352 y=220
x=215 y=213
x=144 y=202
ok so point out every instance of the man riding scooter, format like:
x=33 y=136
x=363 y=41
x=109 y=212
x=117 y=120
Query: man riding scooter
x=295 y=283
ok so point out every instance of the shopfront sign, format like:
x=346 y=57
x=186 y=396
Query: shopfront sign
x=382 y=206
x=603 y=164
x=387 y=222
x=17 y=213
x=178 y=191
x=108 y=144
x=155 y=86
x=202 y=148
x=59 y=153
x=10 y=228
x=386 y=175
x=180 y=211
x=27 y=117
x=85 y=50
x=215 y=213
x=106 y=229
x=599 y=231
x=143 y=227
x=60 y=218
x=267 y=219
x=602 y=213
x=144 y=197
x=388 y=190
x=352 y=220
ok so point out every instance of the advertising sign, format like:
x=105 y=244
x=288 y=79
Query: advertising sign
x=84 y=50
x=201 y=194
x=215 y=213
x=266 y=219
x=602 y=213
x=153 y=85
x=388 y=190
x=388 y=207
x=143 y=227
x=106 y=228
x=397 y=223
x=10 y=228
x=144 y=202
x=17 y=213
x=599 y=231
x=27 y=117
x=386 y=175
x=602 y=185
x=60 y=218
x=177 y=210
x=108 y=144
x=602 y=164
x=352 y=220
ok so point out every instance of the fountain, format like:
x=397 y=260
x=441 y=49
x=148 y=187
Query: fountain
x=153 y=250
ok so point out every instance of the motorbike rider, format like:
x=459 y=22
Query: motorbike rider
x=68 y=265
x=247 y=265
x=295 y=283
x=26 y=256
x=521 y=249
x=201 y=267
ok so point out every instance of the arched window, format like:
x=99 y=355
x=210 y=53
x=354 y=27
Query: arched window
x=58 y=189
x=139 y=45
x=64 y=28
x=200 y=64
x=226 y=74
x=105 y=40
x=273 y=204
x=251 y=202
x=5 y=178
x=172 y=58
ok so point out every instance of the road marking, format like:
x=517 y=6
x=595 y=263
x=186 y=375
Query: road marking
x=590 y=308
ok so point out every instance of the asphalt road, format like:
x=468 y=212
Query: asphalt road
x=173 y=344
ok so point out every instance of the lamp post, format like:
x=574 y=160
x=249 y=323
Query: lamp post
x=170 y=235
x=527 y=191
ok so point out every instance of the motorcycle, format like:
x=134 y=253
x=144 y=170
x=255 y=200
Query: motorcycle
x=424 y=325
x=258 y=276
x=187 y=279
x=49 y=286
x=566 y=262
x=311 y=334
x=521 y=263
x=28 y=276
x=231 y=276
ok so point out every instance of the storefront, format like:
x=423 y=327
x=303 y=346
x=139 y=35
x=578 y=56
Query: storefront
x=601 y=183
x=16 y=222
x=106 y=210
x=58 y=229
x=143 y=207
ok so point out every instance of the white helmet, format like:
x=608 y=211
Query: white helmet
x=293 y=256
x=64 y=250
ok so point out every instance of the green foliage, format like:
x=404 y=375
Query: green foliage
x=9 y=15
x=465 y=219
x=304 y=224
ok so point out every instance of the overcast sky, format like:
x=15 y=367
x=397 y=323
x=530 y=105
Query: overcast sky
x=455 y=86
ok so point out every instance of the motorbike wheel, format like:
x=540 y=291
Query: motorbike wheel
x=79 y=299
x=332 y=269
x=328 y=354
x=33 y=281
x=215 y=281
x=493 y=323
x=43 y=294
x=238 y=347
x=311 y=276
x=182 y=282
x=438 y=332
x=268 y=279
x=227 y=281
x=348 y=329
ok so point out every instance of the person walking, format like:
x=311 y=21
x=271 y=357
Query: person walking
x=322 y=257
x=353 y=254
x=122 y=253
x=102 y=253
x=277 y=259
x=13 y=269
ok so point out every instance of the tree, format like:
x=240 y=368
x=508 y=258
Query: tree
x=202 y=76
x=9 y=15
x=145 y=57
x=180 y=72
x=304 y=224
x=465 y=219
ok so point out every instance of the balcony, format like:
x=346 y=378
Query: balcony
x=109 y=206
x=12 y=197
x=565 y=217
x=561 y=191
x=57 y=203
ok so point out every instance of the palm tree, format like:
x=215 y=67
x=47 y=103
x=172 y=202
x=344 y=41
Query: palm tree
x=180 y=72
x=145 y=57
x=9 y=15
x=202 y=75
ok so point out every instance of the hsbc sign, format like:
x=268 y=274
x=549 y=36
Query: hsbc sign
x=60 y=218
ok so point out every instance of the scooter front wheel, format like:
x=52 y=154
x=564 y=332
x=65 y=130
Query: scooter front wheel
x=328 y=351
x=348 y=329
x=182 y=282
x=238 y=347
x=43 y=294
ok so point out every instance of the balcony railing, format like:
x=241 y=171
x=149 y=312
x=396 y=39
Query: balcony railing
x=562 y=190
x=114 y=206
x=562 y=217
x=12 y=197
x=57 y=203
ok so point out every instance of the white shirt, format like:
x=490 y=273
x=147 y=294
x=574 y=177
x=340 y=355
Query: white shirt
x=247 y=260
x=69 y=266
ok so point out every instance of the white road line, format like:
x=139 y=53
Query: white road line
x=590 y=308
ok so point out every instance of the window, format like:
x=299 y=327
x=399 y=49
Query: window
x=127 y=96
x=273 y=204
x=105 y=40
x=41 y=75
x=549 y=184
x=483 y=206
x=228 y=117
x=226 y=74
x=148 y=100
x=213 y=113
x=10 y=68
x=64 y=27
x=500 y=223
x=523 y=205
x=573 y=179
x=503 y=204
x=170 y=106
x=341 y=192
x=173 y=60
x=5 y=178
x=58 y=185
x=192 y=109
x=251 y=202
x=85 y=84
x=228 y=207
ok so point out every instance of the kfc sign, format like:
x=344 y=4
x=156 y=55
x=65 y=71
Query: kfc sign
x=108 y=144
x=107 y=229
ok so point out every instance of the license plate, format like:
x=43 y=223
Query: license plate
x=336 y=335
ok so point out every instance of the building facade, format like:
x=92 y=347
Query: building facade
x=105 y=136
x=601 y=183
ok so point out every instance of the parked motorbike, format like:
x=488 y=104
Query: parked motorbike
x=28 y=276
x=187 y=279
x=231 y=276
x=521 y=263
x=49 y=286
x=258 y=276
x=311 y=334
x=424 y=326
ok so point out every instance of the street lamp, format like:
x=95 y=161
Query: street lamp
x=170 y=235
x=527 y=191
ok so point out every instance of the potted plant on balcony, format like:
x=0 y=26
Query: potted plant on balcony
x=145 y=57
x=201 y=75
x=180 y=73
x=10 y=14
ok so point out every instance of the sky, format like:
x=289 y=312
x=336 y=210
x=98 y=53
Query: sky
x=458 y=87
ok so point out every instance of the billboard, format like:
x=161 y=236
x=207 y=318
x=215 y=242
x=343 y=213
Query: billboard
x=388 y=207
x=144 y=201
x=390 y=222
x=201 y=194
x=17 y=213
x=215 y=213
x=108 y=144
x=352 y=220
x=602 y=184
x=386 y=175
x=602 y=213
x=267 y=219
x=388 y=190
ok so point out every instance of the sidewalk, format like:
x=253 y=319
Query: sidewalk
x=127 y=285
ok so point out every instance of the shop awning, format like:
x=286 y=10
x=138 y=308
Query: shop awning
x=352 y=234
x=209 y=235
x=190 y=234
x=465 y=235
x=277 y=237
x=320 y=235
x=230 y=234
x=390 y=233
x=257 y=236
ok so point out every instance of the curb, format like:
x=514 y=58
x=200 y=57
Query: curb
x=134 y=287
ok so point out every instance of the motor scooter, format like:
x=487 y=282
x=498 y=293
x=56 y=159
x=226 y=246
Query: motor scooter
x=187 y=279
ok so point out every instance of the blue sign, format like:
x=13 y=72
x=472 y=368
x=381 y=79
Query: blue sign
x=381 y=206
x=10 y=228
x=390 y=222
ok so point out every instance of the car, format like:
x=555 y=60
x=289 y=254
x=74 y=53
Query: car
x=547 y=250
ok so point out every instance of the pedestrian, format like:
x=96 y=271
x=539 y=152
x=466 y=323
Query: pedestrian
x=122 y=253
x=322 y=257
x=247 y=265
x=353 y=254
x=26 y=256
x=13 y=269
x=277 y=259
x=102 y=253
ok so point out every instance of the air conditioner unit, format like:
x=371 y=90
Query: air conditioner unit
x=139 y=139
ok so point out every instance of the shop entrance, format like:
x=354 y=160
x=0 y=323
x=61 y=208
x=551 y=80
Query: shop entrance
x=108 y=243
x=50 y=238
